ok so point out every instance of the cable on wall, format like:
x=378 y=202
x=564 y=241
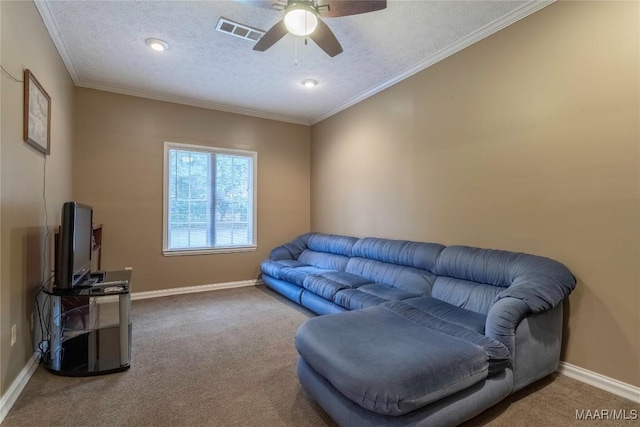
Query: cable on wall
x=44 y=198
x=8 y=74
x=43 y=345
x=46 y=221
x=45 y=332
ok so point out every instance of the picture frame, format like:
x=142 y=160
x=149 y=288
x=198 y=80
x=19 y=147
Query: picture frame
x=37 y=114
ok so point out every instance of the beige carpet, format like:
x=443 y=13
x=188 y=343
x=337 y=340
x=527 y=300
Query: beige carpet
x=226 y=358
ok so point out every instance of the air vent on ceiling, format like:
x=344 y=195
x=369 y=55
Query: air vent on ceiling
x=279 y=4
x=238 y=30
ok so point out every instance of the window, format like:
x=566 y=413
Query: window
x=209 y=200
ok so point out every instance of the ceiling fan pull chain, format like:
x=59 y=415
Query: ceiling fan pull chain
x=295 y=44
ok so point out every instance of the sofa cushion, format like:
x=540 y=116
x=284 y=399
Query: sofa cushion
x=387 y=363
x=330 y=243
x=386 y=292
x=488 y=266
x=298 y=274
x=400 y=252
x=450 y=313
x=498 y=356
x=347 y=279
x=273 y=268
x=322 y=287
x=409 y=279
x=541 y=282
x=323 y=260
x=327 y=284
x=462 y=293
x=353 y=299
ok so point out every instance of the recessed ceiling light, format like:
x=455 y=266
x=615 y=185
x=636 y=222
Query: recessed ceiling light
x=309 y=83
x=157 y=44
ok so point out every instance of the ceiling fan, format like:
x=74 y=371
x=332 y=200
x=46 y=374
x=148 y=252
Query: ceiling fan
x=302 y=18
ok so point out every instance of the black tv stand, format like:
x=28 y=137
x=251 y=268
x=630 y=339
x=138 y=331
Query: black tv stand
x=97 y=276
x=91 y=327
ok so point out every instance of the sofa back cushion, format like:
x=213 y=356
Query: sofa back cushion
x=471 y=278
x=398 y=263
x=472 y=296
x=326 y=251
x=324 y=260
x=410 y=279
x=400 y=252
x=488 y=266
x=475 y=278
x=330 y=243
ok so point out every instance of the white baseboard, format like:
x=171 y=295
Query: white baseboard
x=194 y=289
x=600 y=381
x=184 y=290
x=10 y=397
x=594 y=379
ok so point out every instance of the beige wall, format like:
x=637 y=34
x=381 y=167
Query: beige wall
x=26 y=44
x=118 y=167
x=526 y=141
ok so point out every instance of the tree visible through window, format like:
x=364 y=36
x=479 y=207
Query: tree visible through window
x=209 y=197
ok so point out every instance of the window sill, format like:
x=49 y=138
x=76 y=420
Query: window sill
x=187 y=252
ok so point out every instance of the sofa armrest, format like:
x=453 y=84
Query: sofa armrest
x=280 y=253
x=290 y=250
x=538 y=285
x=503 y=318
x=541 y=283
x=533 y=338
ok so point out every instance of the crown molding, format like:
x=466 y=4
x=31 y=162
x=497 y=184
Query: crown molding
x=54 y=32
x=194 y=103
x=52 y=27
x=489 y=29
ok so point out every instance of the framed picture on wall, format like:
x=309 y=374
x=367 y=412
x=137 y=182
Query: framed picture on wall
x=37 y=114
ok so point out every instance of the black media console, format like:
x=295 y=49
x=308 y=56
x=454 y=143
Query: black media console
x=91 y=327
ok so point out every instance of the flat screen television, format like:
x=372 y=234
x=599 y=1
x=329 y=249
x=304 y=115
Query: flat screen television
x=75 y=243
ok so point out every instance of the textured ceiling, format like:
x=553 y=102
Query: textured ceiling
x=103 y=45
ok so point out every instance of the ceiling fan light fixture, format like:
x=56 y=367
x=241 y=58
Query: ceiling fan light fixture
x=309 y=83
x=301 y=19
x=157 y=44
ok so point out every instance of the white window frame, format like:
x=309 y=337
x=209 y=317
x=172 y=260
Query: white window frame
x=165 y=201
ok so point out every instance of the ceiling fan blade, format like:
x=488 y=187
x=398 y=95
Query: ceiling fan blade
x=353 y=7
x=270 y=38
x=325 y=39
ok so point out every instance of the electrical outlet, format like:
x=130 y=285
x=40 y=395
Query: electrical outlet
x=14 y=329
x=33 y=320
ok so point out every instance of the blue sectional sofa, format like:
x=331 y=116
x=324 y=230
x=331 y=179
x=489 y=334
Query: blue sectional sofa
x=418 y=333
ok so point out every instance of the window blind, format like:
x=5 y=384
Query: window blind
x=210 y=199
